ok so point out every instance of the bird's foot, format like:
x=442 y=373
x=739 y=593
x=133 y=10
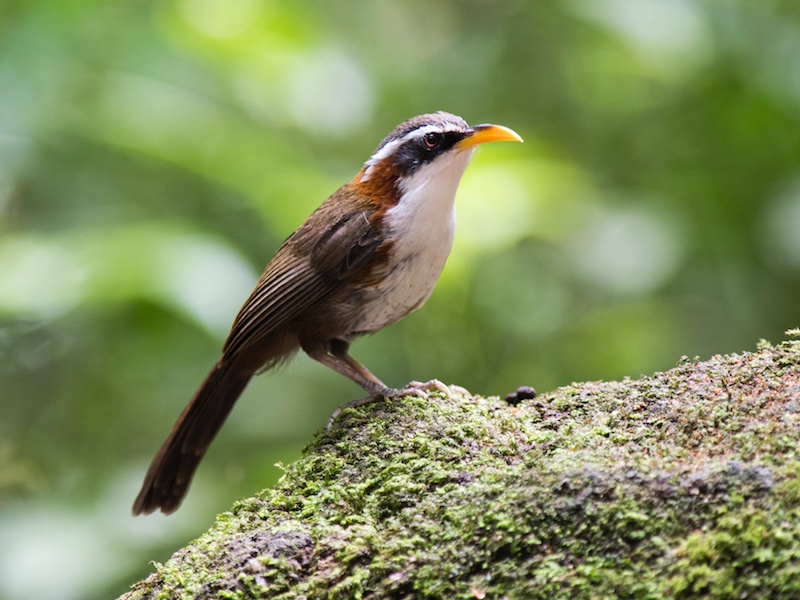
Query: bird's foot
x=413 y=388
x=418 y=388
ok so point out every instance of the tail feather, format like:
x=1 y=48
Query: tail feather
x=171 y=471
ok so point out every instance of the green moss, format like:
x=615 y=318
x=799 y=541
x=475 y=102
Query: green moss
x=683 y=484
x=746 y=554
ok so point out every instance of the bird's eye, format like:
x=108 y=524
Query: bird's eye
x=432 y=139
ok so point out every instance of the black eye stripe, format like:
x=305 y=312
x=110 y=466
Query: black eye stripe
x=424 y=148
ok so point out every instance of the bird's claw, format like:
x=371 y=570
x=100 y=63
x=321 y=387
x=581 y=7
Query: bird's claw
x=414 y=388
x=461 y=391
x=422 y=389
x=434 y=385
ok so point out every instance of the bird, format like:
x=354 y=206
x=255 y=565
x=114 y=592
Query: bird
x=368 y=256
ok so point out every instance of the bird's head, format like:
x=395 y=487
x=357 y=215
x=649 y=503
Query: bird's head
x=433 y=148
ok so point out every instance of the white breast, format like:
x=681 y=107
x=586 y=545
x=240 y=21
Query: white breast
x=421 y=227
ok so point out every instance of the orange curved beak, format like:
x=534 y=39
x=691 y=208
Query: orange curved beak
x=482 y=134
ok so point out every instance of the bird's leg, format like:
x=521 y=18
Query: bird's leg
x=338 y=349
x=334 y=355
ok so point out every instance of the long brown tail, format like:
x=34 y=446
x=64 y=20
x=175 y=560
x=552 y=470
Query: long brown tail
x=171 y=471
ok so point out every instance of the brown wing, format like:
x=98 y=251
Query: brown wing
x=312 y=263
x=334 y=244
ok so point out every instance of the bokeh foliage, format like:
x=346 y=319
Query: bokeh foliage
x=153 y=155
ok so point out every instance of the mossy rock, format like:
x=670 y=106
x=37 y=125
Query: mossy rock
x=680 y=485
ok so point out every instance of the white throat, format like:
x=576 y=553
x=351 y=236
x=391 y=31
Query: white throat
x=421 y=227
x=424 y=218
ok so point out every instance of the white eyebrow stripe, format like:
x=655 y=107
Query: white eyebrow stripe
x=385 y=151
x=389 y=148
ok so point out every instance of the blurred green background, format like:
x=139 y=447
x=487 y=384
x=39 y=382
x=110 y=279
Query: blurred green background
x=153 y=155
